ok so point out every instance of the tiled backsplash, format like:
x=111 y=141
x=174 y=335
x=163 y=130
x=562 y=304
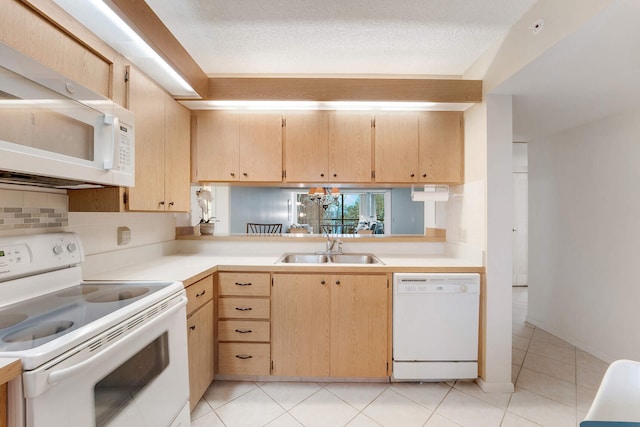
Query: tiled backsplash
x=20 y=218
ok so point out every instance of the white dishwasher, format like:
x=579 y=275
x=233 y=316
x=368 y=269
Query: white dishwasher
x=435 y=326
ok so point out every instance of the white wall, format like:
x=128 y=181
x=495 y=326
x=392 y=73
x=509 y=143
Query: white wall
x=584 y=211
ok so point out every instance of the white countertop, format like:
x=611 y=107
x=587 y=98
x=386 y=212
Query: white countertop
x=186 y=267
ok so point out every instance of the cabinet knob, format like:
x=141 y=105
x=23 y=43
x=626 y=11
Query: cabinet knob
x=244 y=331
x=192 y=327
x=244 y=356
x=337 y=282
x=245 y=174
x=412 y=175
x=322 y=282
x=335 y=175
x=171 y=203
x=232 y=174
x=424 y=175
x=244 y=308
x=161 y=203
x=201 y=293
x=322 y=175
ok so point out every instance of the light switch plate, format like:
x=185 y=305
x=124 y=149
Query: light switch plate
x=124 y=235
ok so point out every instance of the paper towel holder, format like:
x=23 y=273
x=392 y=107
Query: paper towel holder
x=431 y=193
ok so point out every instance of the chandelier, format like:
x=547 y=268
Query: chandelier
x=322 y=196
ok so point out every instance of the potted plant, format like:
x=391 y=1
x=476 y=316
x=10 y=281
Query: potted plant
x=207 y=223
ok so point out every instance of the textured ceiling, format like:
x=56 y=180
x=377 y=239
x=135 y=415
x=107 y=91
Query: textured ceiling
x=338 y=37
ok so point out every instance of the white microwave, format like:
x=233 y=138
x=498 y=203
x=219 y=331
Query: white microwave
x=57 y=133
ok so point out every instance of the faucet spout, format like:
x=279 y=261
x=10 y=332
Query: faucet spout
x=331 y=243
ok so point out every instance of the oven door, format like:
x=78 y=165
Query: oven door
x=134 y=374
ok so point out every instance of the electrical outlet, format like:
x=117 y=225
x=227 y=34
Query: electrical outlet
x=124 y=235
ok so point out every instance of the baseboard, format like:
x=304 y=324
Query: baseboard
x=495 y=387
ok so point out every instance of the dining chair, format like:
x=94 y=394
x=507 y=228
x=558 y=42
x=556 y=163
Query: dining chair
x=255 y=228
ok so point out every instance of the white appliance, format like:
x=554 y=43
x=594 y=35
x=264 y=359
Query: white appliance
x=435 y=326
x=56 y=133
x=93 y=353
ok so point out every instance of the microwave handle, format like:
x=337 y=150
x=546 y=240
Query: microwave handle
x=112 y=121
x=62 y=374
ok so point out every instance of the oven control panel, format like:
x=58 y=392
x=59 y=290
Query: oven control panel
x=32 y=254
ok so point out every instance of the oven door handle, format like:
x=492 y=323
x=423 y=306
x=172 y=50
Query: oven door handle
x=62 y=374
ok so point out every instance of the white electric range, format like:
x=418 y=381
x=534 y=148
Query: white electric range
x=93 y=353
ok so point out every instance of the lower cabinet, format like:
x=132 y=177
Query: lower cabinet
x=330 y=325
x=243 y=324
x=200 y=338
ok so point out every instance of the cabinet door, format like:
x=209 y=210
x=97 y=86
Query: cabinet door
x=300 y=325
x=147 y=102
x=177 y=156
x=307 y=146
x=216 y=153
x=261 y=147
x=200 y=348
x=350 y=146
x=396 y=147
x=359 y=326
x=441 y=147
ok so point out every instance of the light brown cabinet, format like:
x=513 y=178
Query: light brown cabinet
x=230 y=146
x=350 y=147
x=306 y=146
x=162 y=129
x=330 y=325
x=200 y=338
x=425 y=147
x=243 y=323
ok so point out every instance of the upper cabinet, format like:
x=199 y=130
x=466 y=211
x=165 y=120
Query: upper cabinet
x=307 y=146
x=323 y=146
x=425 y=147
x=350 y=147
x=237 y=146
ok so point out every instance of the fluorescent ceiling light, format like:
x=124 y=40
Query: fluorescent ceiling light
x=325 y=105
x=117 y=34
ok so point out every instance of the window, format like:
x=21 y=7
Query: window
x=346 y=213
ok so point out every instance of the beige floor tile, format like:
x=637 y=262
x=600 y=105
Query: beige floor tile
x=469 y=411
x=517 y=356
x=586 y=361
x=255 y=408
x=547 y=386
x=358 y=395
x=284 y=420
x=393 y=409
x=552 y=367
x=540 y=335
x=363 y=421
x=513 y=420
x=588 y=378
x=222 y=392
x=428 y=395
x=515 y=371
x=202 y=408
x=501 y=400
x=289 y=394
x=585 y=398
x=323 y=409
x=209 y=420
x=520 y=343
x=541 y=410
x=522 y=330
x=553 y=351
x=440 y=421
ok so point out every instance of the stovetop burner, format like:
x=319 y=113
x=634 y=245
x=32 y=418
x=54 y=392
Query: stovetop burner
x=37 y=321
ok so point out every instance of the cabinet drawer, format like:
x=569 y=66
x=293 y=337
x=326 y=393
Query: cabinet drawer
x=244 y=359
x=199 y=293
x=243 y=330
x=243 y=308
x=244 y=284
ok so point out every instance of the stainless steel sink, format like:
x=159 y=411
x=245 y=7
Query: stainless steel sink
x=346 y=258
x=354 y=259
x=304 y=258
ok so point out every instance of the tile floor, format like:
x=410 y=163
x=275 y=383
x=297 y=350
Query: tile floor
x=554 y=386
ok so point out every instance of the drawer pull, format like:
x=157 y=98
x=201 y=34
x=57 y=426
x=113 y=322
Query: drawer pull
x=244 y=308
x=243 y=284
x=244 y=331
x=244 y=356
x=192 y=327
x=201 y=293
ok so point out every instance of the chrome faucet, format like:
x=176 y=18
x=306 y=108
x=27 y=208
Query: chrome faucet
x=331 y=243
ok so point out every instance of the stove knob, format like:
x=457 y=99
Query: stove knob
x=71 y=247
x=58 y=249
